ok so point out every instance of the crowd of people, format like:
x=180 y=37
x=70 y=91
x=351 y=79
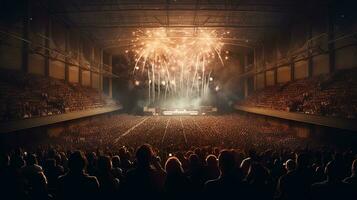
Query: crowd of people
x=202 y=157
x=315 y=95
x=25 y=96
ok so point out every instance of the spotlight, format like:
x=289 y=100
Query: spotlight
x=217 y=88
x=137 y=83
x=210 y=79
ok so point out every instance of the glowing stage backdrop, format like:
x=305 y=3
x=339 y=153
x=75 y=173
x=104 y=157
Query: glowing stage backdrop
x=177 y=71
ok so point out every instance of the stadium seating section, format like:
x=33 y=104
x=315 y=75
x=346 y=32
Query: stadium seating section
x=327 y=95
x=26 y=96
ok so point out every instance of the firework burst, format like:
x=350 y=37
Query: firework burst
x=176 y=67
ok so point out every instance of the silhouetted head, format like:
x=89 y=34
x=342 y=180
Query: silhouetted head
x=212 y=161
x=257 y=172
x=173 y=166
x=290 y=165
x=144 y=155
x=194 y=161
x=332 y=170
x=31 y=159
x=354 y=167
x=104 y=164
x=77 y=162
x=116 y=161
x=226 y=162
x=245 y=165
x=302 y=161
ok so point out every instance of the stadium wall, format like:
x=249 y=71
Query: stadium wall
x=36 y=42
x=320 y=42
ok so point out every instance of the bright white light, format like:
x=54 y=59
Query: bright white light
x=217 y=88
x=210 y=78
x=163 y=82
x=137 y=83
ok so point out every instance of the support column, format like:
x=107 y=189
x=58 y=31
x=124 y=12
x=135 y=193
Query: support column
x=80 y=47
x=66 y=66
x=292 y=70
x=245 y=79
x=26 y=30
x=110 y=79
x=331 y=36
x=47 y=45
x=309 y=53
x=91 y=68
x=101 y=71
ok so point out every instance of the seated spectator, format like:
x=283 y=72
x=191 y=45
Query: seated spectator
x=52 y=171
x=196 y=173
x=38 y=187
x=32 y=166
x=116 y=170
x=332 y=187
x=145 y=180
x=177 y=185
x=228 y=184
x=76 y=184
x=212 y=169
x=352 y=180
x=259 y=182
x=108 y=184
x=295 y=184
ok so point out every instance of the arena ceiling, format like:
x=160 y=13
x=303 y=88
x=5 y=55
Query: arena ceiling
x=242 y=23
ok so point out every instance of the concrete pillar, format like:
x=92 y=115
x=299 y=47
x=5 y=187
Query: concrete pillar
x=309 y=53
x=292 y=70
x=245 y=79
x=26 y=30
x=92 y=63
x=80 y=48
x=101 y=71
x=110 y=79
x=331 y=36
x=47 y=45
x=66 y=66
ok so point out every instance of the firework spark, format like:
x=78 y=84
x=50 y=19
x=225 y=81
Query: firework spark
x=176 y=67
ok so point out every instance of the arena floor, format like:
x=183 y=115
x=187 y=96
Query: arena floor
x=177 y=132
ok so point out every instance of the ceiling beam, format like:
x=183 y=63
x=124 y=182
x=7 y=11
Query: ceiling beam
x=101 y=11
x=95 y=26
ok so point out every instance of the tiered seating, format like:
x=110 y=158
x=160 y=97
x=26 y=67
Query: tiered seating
x=25 y=96
x=327 y=95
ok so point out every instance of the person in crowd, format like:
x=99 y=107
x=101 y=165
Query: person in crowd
x=76 y=184
x=31 y=166
x=212 y=169
x=108 y=184
x=282 y=193
x=333 y=187
x=146 y=179
x=177 y=185
x=295 y=184
x=38 y=187
x=353 y=178
x=196 y=173
x=260 y=183
x=52 y=172
x=116 y=170
x=228 y=184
